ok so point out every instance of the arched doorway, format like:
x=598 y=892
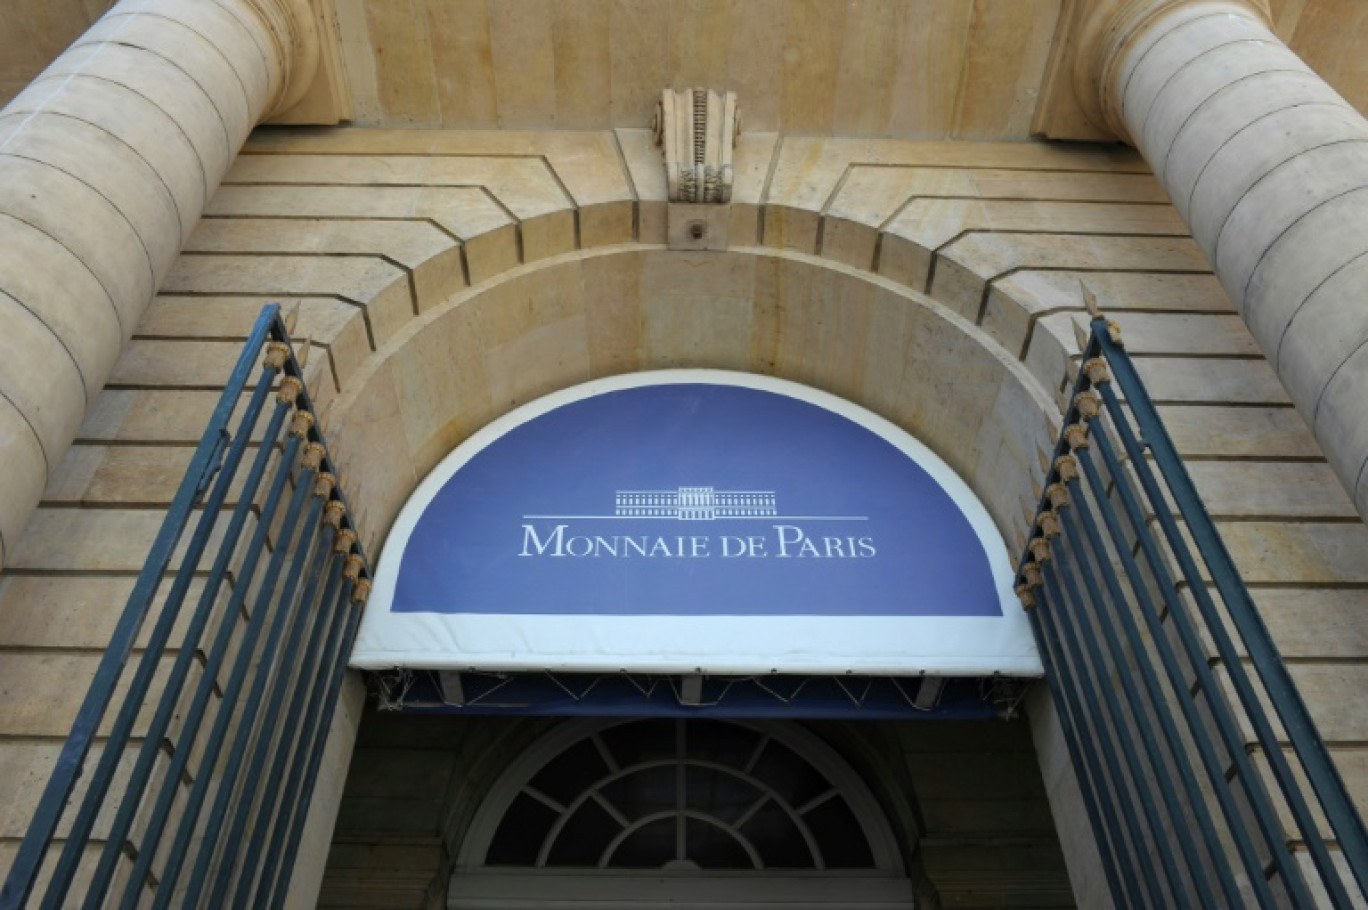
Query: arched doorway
x=679 y=813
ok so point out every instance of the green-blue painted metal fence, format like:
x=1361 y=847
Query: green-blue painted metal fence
x=1204 y=778
x=195 y=785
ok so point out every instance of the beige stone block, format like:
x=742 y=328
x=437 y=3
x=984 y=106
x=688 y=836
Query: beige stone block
x=192 y=53
x=1210 y=381
x=752 y=160
x=459 y=34
x=151 y=415
x=1207 y=431
x=638 y=57
x=40 y=378
x=1290 y=552
x=129 y=476
x=543 y=359
x=547 y=235
x=524 y=63
x=81 y=611
x=1181 y=333
x=1008 y=44
x=789 y=228
x=580 y=46
x=102 y=239
x=466 y=212
x=1262 y=489
x=96 y=540
x=74 y=307
x=491 y=253
x=816 y=326
x=409 y=243
x=165 y=85
x=369 y=281
x=646 y=164
x=965 y=266
x=44 y=691
x=335 y=325
x=368 y=441
x=811 y=66
x=176 y=363
x=1037 y=291
x=604 y=224
x=1251 y=200
x=523 y=184
x=440 y=384
x=402 y=57
x=754 y=64
x=849 y=242
x=612 y=313
x=903 y=261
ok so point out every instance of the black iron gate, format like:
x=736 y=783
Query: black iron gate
x=204 y=803
x=1133 y=601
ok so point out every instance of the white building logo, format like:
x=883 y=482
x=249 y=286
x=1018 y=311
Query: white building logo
x=696 y=504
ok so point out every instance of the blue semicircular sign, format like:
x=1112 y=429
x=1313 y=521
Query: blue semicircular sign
x=685 y=521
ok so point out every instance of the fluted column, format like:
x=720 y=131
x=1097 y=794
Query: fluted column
x=1269 y=168
x=106 y=162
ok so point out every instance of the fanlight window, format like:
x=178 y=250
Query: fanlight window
x=683 y=796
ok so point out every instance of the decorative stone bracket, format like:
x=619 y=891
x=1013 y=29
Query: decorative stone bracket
x=696 y=129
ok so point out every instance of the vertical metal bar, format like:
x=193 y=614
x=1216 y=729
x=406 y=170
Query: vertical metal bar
x=1084 y=652
x=1259 y=803
x=1095 y=800
x=1163 y=779
x=23 y=873
x=266 y=661
x=1172 y=739
x=320 y=739
x=1142 y=889
x=266 y=739
x=147 y=754
x=336 y=613
x=194 y=716
x=1282 y=691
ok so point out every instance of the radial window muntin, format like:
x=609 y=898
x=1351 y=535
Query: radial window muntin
x=681 y=796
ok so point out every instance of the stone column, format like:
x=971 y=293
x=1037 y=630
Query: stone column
x=106 y=162
x=1269 y=168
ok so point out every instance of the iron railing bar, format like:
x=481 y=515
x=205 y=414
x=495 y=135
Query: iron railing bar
x=336 y=613
x=1110 y=846
x=266 y=662
x=161 y=721
x=1110 y=790
x=262 y=750
x=1239 y=679
x=1259 y=800
x=194 y=717
x=1093 y=671
x=350 y=595
x=1172 y=737
x=1163 y=777
x=23 y=873
x=1282 y=692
